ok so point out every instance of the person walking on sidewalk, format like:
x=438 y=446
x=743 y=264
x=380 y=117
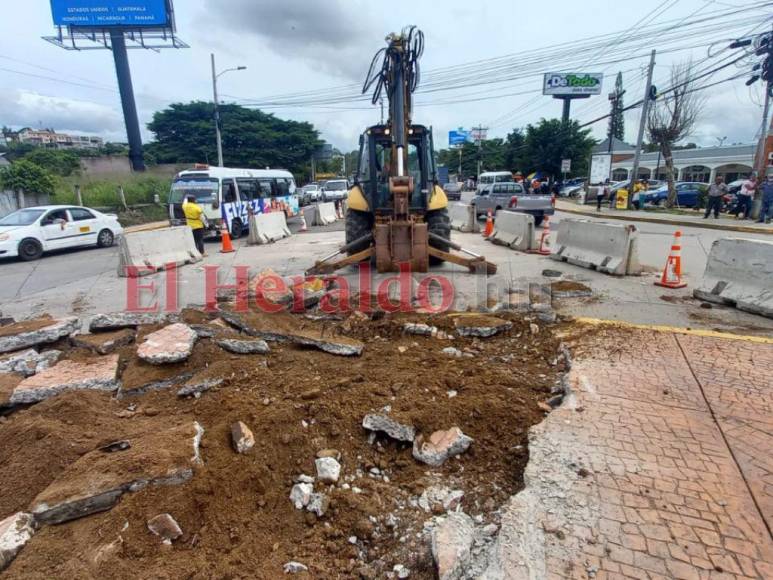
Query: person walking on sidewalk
x=603 y=189
x=766 y=211
x=716 y=191
x=194 y=217
x=745 y=196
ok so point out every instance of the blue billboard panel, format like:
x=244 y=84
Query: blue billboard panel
x=99 y=13
x=458 y=137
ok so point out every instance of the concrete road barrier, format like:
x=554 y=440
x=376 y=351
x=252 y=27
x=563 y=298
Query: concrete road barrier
x=268 y=227
x=608 y=248
x=739 y=272
x=309 y=214
x=326 y=214
x=515 y=230
x=463 y=218
x=143 y=253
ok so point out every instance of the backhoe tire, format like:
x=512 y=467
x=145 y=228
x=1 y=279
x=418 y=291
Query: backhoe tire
x=439 y=224
x=358 y=224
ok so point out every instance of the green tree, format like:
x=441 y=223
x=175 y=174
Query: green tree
x=616 y=127
x=251 y=138
x=515 y=145
x=27 y=176
x=550 y=141
x=63 y=163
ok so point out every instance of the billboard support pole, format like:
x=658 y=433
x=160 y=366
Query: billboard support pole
x=567 y=109
x=118 y=43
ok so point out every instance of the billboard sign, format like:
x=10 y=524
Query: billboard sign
x=566 y=165
x=104 y=13
x=479 y=134
x=458 y=138
x=600 y=168
x=572 y=84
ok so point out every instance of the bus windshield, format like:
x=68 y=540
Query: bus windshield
x=205 y=189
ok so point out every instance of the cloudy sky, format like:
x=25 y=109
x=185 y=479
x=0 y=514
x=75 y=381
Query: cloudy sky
x=294 y=46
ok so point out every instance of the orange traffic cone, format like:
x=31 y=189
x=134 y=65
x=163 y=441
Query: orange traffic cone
x=544 y=241
x=489 y=229
x=303 y=222
x=672 y=273
x=227 y=247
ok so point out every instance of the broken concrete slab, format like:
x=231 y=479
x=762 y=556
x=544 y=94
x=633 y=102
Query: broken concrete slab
x=171 y=344
x=165 y=527
x=398 y=431
x=28 y=362
x=196 y=385
x=440 y=446
x=300 y=495
x=15 y=532
x=481 y=326
x=119 y=320
x=97 y=480
x=425 y=330
x=439 y=498
x=338 y=345
x=25 y=334
x=451 y=544
x=99 y=374
x=328 y=469
x=104 y=342
x=243 y=346
x=242 y=438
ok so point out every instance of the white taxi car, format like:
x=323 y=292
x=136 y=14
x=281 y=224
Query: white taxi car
x=29 y=232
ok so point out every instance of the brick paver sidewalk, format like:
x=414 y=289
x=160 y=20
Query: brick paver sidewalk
x=659 y=466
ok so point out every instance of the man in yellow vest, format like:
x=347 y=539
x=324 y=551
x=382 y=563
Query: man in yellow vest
x=195 y=218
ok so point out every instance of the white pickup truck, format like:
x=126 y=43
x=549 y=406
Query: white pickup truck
x=513 y=197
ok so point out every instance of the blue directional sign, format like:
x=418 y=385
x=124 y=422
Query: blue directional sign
x=101 y=13
x=458 y=137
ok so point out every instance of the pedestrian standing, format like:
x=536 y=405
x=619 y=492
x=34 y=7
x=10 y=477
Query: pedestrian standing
x=745 y=196
x=716 y=191
x=766 y=211
x=603 y=190
x=194 y=217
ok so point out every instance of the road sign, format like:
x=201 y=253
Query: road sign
x=102 y=13
x=572 y=84
x=457 y=138
x=566 y=165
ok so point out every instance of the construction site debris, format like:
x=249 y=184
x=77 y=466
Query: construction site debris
x=451 y=544
x=68 y=375
x=15 y=532
x=481 y=326
x=29 y=333
x=328 y=469
x=119 y=320
x=165 y=526
x=300 y=494
x=242 y=438
x=440 y=499
x=454 y=352
x=318 y=504
x=295 y=568
x=243 y=346
x=425 y=330
x=440 y=446
x=569 y=289
x=28 y=362
x=104 y=342
x=171 y=344
x=382 y=423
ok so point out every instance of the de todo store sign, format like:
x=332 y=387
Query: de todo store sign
x=568 y=84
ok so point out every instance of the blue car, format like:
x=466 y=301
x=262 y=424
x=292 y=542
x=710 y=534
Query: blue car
x=687 y=194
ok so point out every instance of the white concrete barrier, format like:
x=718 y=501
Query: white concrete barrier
x=608 y=248
x=463 y=218
x=739 y=272
x=268 y=227
x=143 y=253
x=326 y=214
x=515 y=230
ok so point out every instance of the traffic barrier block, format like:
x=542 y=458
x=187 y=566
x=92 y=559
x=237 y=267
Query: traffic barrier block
x=310 y=213
x=144 y=253
x=268 y=227
x=326 y=214
x=463 y=218
x=608 y=248
x=515 y=230
x=739 y=272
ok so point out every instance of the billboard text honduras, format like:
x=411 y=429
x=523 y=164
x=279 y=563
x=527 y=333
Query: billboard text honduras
x=98 y=13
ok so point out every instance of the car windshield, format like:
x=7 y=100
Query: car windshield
x=204 y=189
x=335 y=185
x=23 y=217
x=310 y=188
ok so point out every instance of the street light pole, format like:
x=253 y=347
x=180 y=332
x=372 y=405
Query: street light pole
x=215 y=76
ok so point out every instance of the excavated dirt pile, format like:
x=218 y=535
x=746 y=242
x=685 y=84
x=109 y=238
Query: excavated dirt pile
x=184 y=466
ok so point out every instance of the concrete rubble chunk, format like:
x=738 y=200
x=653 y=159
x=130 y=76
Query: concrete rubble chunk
x=481 y=326
x=99 y=374
x=451 y=351
x=29 y=362
x=401 y=571
x=337 y=345
x=196 y=385
x=104 y=342
x=300 y=495
x=242 y=438
x=398 y=431
x=441 y=445
x=451 y=544
x=425 y=330
x=97 y=480
x=171 y=344
x=318 y=504
x=295 y=568
x=15 y=532
x=29 y=333
x=119 y=320
x=243 y=346
x=328 y=469
x=165 y=526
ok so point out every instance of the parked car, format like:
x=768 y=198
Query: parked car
x=513 y=197
x=453 y=190
x=29 y=232
x=687 y=194
x=335 y=189
x=310 y=193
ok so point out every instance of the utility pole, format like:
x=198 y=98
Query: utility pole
x=215 y=76
x=480 y=132
x=642 y=123
x=129 y=106
x=459 y=173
